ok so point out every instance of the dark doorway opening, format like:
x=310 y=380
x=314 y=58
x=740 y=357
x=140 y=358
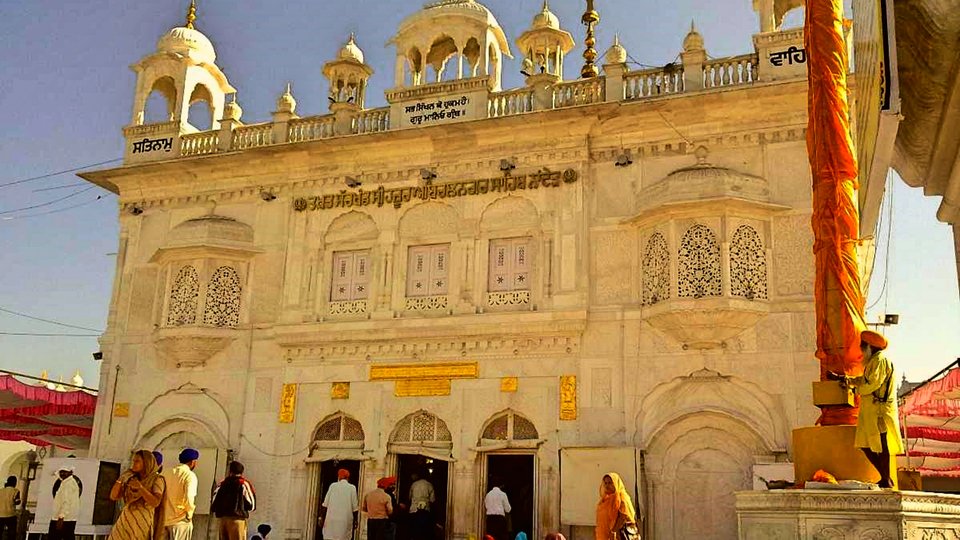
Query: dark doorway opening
x=516 y=472
x=328 y=475
x=434 y=471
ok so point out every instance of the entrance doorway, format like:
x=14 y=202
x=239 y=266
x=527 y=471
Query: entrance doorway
x=434 y=471
x=516 y=472
x=328 y=475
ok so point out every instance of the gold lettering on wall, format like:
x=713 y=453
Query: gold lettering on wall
x=340 y=390
x=288 y=403
x=121 y=410
x=421 y=387
x=568 y=397
x=396 y=372
x=509 y=384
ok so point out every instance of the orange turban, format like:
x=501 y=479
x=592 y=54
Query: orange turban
x=343 y=473
x=874 y=339
x=385 y=483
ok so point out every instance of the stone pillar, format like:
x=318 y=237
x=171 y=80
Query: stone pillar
x=693 y=69
x=614 y=81
x=343 y=117
x=280 y=126
x=542 y=84
x=227 y=125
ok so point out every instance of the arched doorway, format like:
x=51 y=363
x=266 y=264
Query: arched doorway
x=420 y=449
x=337 y=444
x=508 y=454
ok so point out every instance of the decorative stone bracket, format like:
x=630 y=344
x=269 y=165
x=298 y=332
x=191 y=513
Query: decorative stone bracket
x=190 y=347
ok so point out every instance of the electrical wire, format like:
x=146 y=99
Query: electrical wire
x=48 y=212
x=884 y=293
x=48 y=203
x=264 y=452
x=49 y=175
x=75 y=184
x=46 y=335
x=49 y=321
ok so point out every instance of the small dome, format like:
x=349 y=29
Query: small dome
x=286 y=103
x=210 y=229
x=77 y=380
x=232 y=110
x=184 y=41
x=616 y=54
x=693 y=41
x=350 y=51
x=426 y=19
x=545 y=19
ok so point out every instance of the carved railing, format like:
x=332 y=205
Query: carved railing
x=252 y=136
x=310 y=128
x=426 y=303
x=198 y=144
x=653 y=82
x=510 y=102
x=732 y=71
x=581 y=92
x=350 y=307
x=509 y=298
x=372 y=121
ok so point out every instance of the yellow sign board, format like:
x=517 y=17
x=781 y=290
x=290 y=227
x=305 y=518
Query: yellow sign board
x=340 y=390
x=399 y=372
x=121 y=410
x=421 y=387
x=509 y=384
x=568 y=397
x=288 y=403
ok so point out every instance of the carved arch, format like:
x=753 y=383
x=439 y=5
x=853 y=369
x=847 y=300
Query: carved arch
x=509 y=425
x=421 y=427
x=429 y=219
x=510 y=212
x=352 y=226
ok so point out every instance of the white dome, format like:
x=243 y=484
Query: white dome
x=77 y=380
x=546 y=19
x=184 y=41
x=693 y=41
x=616 y=54
x=467 y=9
x=351 y=51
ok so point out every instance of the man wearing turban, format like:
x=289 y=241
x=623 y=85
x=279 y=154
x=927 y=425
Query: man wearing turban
x=180 y=502
x=378 y=506
x=340 y=506
x=878 y=426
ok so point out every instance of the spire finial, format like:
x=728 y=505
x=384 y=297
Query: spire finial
x=616 y=39
x=191 y=14
x=693 y=28
x=546 y=6
x=289 y=86
x=590 y=19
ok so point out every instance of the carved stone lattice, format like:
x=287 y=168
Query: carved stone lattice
x=699 y=264
x=523 y=429
x=348 y=308
x=183 y=298
x=656 y=270
x=340 y=428
x=510 y=426
x=426 y=303
x=421 y=426
x=222 y=306
x=510 y=298
x=498 y=430
x=748 y=265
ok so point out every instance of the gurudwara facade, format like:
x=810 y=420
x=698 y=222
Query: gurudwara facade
x=543 y=283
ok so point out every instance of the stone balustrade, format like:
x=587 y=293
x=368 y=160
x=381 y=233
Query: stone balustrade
x=732 y=71
x=310 y=128
x=252 y=136
x=198 y=144
x=372 y=121
x=510 y=102
x=649 y=83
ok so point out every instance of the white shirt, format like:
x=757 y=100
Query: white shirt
x=496 y=502
x=180 y=500
x=66 y=503
x=421 y=495
x=341 y=502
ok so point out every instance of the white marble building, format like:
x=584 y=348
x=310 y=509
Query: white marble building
x=543 y=283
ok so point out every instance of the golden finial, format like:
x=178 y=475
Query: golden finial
x=590 y=19
x=191 y=14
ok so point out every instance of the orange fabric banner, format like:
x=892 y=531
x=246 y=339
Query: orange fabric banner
x=839 y=298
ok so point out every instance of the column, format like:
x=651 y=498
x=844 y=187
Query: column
x=399 y=74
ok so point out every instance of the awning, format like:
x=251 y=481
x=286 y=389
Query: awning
x=930 y=415
x=45 y=417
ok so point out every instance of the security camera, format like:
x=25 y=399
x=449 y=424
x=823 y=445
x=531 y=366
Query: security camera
x=98 y=355
x=267 y=196
x=507 y=165
x=427 y=174
x=136 y=210
x=352 y=182
x=623 y=159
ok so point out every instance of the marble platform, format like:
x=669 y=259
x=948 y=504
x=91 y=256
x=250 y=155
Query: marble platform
x=847 y=515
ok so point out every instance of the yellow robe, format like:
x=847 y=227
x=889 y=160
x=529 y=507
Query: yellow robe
x=878 y=381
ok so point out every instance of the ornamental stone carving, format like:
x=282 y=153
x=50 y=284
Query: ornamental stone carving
x=748 y=264
x=222 y=304
x=182 y=309
x=656 y=270
x=613 y=261
x=793 y=236
x=698 y=265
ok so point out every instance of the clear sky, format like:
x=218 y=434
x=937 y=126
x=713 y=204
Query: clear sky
x=66 y=92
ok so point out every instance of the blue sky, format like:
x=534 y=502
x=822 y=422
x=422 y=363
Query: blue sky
x=66 y=92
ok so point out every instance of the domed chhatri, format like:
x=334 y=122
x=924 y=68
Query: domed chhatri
x=188 y=41
x=616 y=54
x=545 y=19
x=351 y=51
x=693 y=41
x=286 y=102
x=544 y=45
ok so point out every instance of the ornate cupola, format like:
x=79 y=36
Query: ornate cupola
x=183 y=69
x=544 y=45
x=348 y=76
x=464 y=31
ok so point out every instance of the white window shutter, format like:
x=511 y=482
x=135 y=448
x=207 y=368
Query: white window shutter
x=361 y=275
x=500 y=276
x=522 y=265
x=340 y=285
x=418 y=271
x=439 y=263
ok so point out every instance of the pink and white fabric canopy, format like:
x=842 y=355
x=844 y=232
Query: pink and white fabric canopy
x=931 y=416
x=45 y=417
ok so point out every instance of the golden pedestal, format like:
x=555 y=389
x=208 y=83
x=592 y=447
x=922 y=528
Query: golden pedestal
x=830 y=448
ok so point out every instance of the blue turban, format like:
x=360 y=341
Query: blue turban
x=188 y=455
x=159 y=457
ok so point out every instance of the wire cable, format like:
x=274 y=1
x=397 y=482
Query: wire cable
x=47 y=335
x=75 y=184
x=49 y=175
x=883 y=294
x=49 y=321
x=48 y=212
x=48 y=203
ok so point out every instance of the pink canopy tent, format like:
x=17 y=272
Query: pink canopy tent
x=930 y=414
x=45 y=417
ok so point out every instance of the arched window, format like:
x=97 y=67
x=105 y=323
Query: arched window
x=656 y=270
x=339 y=428
x=200 y=114
x=699 y=263
x=223 y=298
x=182 y=309
x=510 y=426
x=748 y=264
x=421 y=426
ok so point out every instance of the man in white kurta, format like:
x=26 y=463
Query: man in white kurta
x=340 y=508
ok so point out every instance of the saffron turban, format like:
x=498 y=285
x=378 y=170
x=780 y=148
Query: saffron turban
x=342 y=474
x=386 y=482
x=875 y=340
